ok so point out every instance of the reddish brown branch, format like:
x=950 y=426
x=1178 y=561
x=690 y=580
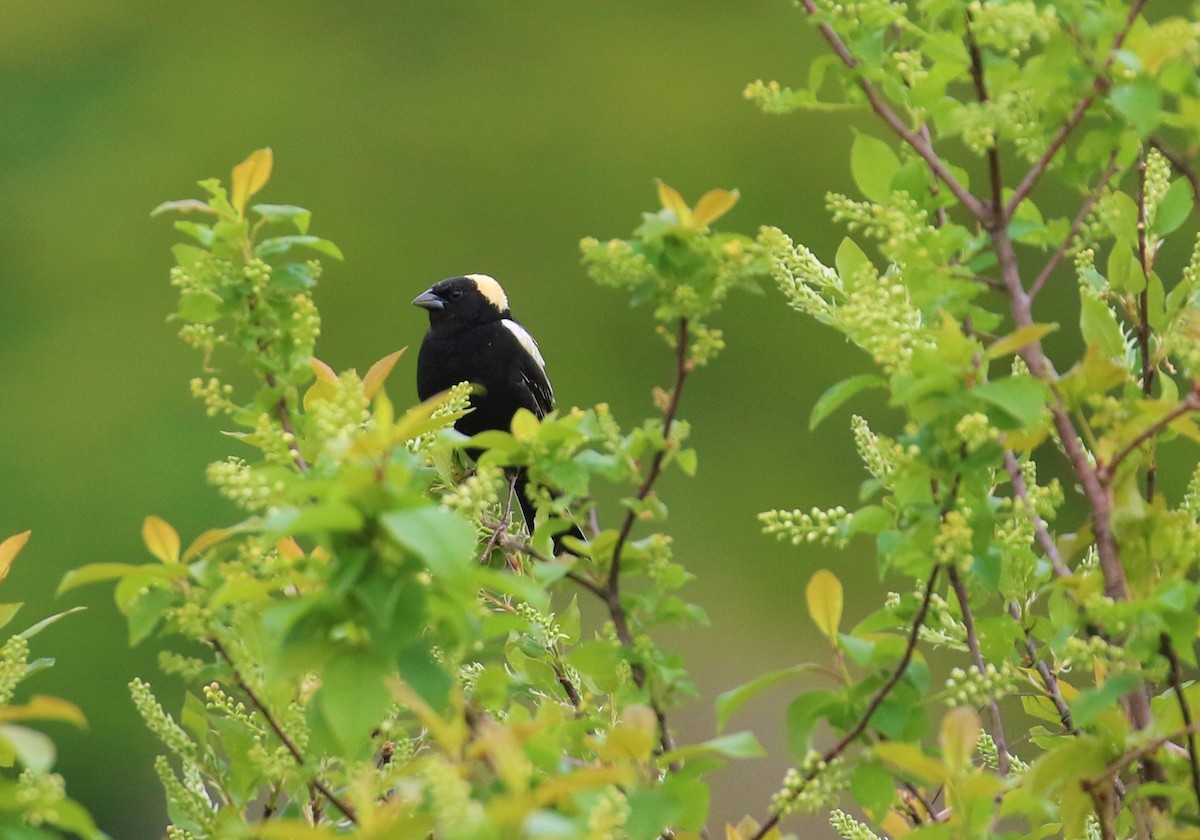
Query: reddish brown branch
x=960 y=591
x=1175 y=675
x=319 y=784
x=919 y=141
x=1100 y=85
x=876 y=700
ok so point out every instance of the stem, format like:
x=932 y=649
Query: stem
x=1044 y=537
x=1185 y=711
x=876 y=700
x=917 y=140
x=1106 y=472
x=981 y=93
x=960 y=591
x=1099 y=85
x=316 y=782
x=1146 y=259
x=1084 y=210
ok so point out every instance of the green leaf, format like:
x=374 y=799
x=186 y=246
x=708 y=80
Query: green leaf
x=298 y=216
x=650 y=812
x=1124 y=271
x=732 y=700
x=836 y=395
x=269 y=249
x=873 y=165
x=802 y=716
x=444 y=540
x=909 y=759
x=95 y=572
x=355 y=697
x=851 y=260
x=1173 y=208
x=1099 y=327
x=200 y=307
x=30 y=747
x=1140 y=103
x=740 y=745
x=34 y=629
x=872 y=787
x=1022 y=397
x=1018 y=339
x=8 y=612
x=1089 y=704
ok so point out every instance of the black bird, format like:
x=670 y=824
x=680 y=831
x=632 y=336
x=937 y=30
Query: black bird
x=473 y=337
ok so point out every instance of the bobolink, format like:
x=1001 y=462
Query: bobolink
x=473 y=337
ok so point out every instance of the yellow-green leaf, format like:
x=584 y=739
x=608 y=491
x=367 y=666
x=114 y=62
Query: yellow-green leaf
x=824 y=597
x=161 y=539
x=1019 y=338
x=633 y=738
x=524 y=424
x=959 y=731
x=205 y=541
x=673 y=201
x=41 y=707
x=379 y=371
x=250 y=176
x=9 y=549
x=908 y=758
x=326 y=386
x=713 y=205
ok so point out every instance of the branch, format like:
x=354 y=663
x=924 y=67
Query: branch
x=1099 y=85
x=1044 y=537
x=346 y=809
x=919 y=142
x=876 y=700
x=1084 y=210
x=960 y=592
x=981 y=93
x=1185 y=710
x=1106 y=472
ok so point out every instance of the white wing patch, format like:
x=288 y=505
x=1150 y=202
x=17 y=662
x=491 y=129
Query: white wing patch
x=491 y=290
x=525 y=340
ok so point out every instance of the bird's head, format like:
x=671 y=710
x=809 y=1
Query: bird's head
x=472 y=299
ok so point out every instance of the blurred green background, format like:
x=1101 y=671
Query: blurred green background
x=429 y=139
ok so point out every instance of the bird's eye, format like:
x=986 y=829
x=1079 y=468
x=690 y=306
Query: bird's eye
x=456 y=294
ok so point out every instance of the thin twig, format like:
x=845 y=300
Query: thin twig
x=316 y=782
x=968 y=620
x=876 y=700
x=1100 y=84
x=1044 y=537
x=1185 y=710
x=919 y=143
x=1107 y=471
x=1085 y=210
x=1146 y=260
x=981 y=93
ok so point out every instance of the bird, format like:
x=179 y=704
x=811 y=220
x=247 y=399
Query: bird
x=473 y=337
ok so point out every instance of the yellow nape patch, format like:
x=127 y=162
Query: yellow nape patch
x=490 y=290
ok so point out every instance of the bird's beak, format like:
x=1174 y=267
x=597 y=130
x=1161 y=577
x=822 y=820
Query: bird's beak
x=428 y=300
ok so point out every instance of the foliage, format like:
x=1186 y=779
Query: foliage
x=33 y=802
x=378 y=649
x=1074 y=629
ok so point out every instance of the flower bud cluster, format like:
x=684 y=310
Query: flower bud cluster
x=14 y=658
x=976 y=431
x=910 y=64
x=216 y=700
x=952 y=543
x=897 y=225
x=941 y=627
x=214 y=394
x=340 y=416
x=881 y=454
x=306 y=321
x=811 y=787
x=1010 y=28
x=771 y=97
x=40 y=796
x=1090 y=651
x=850 y=828
x=241 y=484
x=828 y=527
x=607 y=817
x=1012 y=115
x=458 y=398
x=985 y=745
x=477 y=497
x=870 y=15
x=706 y=343
x=971 y=688
x=616 y=264
x=542 y=626
x=188 y=667
x=159 y=722
x=256 y=276
x=174 y=832
x=181 y=799
x=458 y=815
